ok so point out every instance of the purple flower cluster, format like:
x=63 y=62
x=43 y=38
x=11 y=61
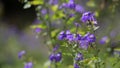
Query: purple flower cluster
x=55 y=57
x=72 y=5
x=84 y=41
x=66 y=35
x=88 y=17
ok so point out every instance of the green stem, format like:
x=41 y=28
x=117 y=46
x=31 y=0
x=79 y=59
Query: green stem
x=56 y=65
x=65 y=23
x=48 y=23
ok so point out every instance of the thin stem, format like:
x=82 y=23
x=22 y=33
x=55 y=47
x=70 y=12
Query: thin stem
x=97 y=50
x=48 y=23
x=65 y=23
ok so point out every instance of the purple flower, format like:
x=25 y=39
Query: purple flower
x=37 y=30
x=71 y=15
x=61 y=35
x=28 y=65
x=78 y=37
x=85 y=36
x=56 y=48
x=58 y=57
x=55 y=57
x=52 y=57
x=84 y=44
x=91 y=38
x=43 y=11
x=69 y=36
x=77 y=24
x=104 y=40
x=85 y=40
x=71 y=4
x=79 y=9
x=76 y=66
x=21 y=53
x=88 y=16
x=64 y=5
x=79 y=57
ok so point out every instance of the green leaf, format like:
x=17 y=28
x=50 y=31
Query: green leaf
x=54 y=32
x=54 y=8
x=36 y=2
x=38 y=26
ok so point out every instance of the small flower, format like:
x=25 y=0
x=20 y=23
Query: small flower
x=85 y=36
x=76 y=66
x=37 y=30
x=104 y=40
x=84 y=44
x=28 y=65
x=78 y=37
x=77 y=24
x=91 y=38
x=21 y=53
x=79 y=57
x=69 y=36
x=56 y=48
x=88 y=17
x=52 y=57
x=71 y=15
x=55 y=57
x=61 y=35
x=71 y=4
x=58 y=57
x=79 y=9
x=44 y=11
x=64 y=5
